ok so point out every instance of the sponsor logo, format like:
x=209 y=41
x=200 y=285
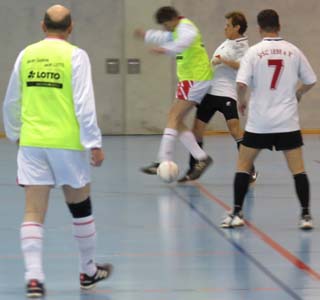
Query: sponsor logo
x=45 y=84
x=43 y=75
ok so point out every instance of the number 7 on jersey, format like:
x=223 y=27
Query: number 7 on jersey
x=277 y=64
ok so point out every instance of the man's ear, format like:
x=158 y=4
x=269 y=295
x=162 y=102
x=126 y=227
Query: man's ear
x=43 y=26
x=69 y=30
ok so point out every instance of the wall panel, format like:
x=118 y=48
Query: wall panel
x=299 y=26
x=138 y=103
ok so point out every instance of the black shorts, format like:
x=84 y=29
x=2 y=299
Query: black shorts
x=280 y=141
x=211 y=103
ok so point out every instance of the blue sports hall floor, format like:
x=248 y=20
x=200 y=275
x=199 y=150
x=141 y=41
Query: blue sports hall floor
x=164 y=239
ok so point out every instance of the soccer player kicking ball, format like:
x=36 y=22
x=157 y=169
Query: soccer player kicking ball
x=181 y=38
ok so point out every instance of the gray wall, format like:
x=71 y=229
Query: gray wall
x=138 y=103
x=299 y=26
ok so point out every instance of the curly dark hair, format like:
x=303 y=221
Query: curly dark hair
x=238 y=18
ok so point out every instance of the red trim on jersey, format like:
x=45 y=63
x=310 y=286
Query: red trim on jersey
x=183 y=89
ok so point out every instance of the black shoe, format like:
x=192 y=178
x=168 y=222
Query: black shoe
x=35 y=289
x=151 y=169
x=199 y=168
x=103 y=272
x=186 y=177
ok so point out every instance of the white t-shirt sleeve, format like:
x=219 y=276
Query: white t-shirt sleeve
x=84 y=101
x=186 y=33
x=158 y=37
x=306 y=73
x=245 y=71
x=12 y=103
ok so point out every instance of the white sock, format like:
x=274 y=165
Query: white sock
x=166 y=149
x=84 y=231
x=31 y=235
x=189 y=141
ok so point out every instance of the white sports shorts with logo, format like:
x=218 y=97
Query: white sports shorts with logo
x=192 y=90
x=43 y=166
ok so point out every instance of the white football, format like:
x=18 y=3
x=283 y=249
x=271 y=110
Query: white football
x=168 y=171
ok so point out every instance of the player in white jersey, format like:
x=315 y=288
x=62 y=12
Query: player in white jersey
x=272 y=68
x=222 y=95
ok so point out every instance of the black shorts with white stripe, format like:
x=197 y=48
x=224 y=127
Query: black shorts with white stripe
x=210 y=104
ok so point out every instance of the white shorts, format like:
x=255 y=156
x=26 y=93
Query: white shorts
x=192 y=90
x=43 y=166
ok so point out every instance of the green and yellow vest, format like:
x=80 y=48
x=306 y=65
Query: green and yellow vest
x=47 y=114
x=193 y=63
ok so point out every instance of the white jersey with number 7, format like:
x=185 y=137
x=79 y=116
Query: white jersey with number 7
x=272 y=69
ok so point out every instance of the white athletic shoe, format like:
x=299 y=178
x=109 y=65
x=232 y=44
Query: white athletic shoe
x=231 y=221
x=306 y=223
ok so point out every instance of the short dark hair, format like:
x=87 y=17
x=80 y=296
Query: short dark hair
x=166 y=13
x=238 y=18
x=268 y=20
x=61 y=25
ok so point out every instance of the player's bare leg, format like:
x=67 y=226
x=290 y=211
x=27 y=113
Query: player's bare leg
x=237 y=134
x=234 y=129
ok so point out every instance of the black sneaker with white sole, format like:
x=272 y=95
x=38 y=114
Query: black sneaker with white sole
x=199 y=168
x=89 y=282
x=186 y=177
x=35 y=289
x=150 y=169
x=306 y=222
